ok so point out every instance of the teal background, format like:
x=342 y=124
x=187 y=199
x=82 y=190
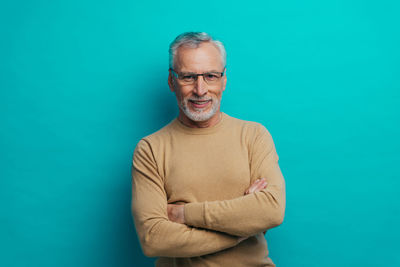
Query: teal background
x=82 y=81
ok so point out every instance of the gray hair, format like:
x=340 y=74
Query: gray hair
x=193 y=40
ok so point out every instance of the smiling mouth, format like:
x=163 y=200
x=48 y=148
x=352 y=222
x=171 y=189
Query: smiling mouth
x=200 y=103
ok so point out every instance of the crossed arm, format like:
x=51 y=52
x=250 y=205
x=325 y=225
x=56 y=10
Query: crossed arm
x=252 y=213
x=176 y=213
x=197 y=229
x=157 y=234
x=260 y=209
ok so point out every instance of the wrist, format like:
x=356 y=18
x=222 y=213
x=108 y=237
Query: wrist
x=194 y=214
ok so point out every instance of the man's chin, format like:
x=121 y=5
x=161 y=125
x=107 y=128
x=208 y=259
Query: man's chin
x=199 y=116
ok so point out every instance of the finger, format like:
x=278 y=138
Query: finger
x=263 y=182
x=264 y=185
x=261 y=186
x=254 y=186
x=251 y=187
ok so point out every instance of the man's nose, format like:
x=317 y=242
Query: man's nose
x=200 y=86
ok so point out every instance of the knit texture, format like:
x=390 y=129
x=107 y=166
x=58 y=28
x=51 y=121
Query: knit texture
x=208 y=170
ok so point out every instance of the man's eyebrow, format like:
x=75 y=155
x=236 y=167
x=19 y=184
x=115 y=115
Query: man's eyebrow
x=215 y=71
x=189 y=72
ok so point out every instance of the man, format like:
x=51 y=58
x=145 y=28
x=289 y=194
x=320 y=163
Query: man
x=199 y=185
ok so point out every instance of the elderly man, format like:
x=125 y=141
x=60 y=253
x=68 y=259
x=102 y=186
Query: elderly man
x=207 y=186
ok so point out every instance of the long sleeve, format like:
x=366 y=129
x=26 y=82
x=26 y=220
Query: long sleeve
x=159 y=236
x=252 y=213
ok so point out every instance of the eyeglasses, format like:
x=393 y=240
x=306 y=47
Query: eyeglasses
x=210 y=78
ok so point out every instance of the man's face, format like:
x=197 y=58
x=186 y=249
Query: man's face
x=200 y=101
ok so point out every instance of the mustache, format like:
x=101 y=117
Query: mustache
x=200 y=98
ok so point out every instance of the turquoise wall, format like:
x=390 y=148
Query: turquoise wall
x=82 y=81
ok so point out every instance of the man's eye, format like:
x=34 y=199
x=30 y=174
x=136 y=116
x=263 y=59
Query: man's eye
x=211 y=76
x=187 y=77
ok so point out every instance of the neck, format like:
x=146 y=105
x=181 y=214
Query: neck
x=200 y=124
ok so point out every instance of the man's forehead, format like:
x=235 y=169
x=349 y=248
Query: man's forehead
x=205 y=57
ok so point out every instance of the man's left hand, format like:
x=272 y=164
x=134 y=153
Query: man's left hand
x=176 y=213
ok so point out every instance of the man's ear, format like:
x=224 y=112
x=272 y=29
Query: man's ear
x=224 y=81
x=171 y=82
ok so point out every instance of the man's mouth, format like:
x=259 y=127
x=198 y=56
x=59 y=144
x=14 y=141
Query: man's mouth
x=200 y=103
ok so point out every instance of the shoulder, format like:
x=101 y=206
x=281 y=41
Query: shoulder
x=162 y=133
x=249 y=129
x=258 y=139
x=156 y=139
x=254 y=134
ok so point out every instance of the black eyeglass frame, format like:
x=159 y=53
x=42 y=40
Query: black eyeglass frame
x=196 y=75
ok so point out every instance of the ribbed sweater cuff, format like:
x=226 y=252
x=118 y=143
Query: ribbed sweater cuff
x=194 y=214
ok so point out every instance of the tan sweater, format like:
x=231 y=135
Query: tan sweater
x=208 y=170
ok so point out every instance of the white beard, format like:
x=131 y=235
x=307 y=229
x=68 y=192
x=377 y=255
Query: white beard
x=199 y=114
